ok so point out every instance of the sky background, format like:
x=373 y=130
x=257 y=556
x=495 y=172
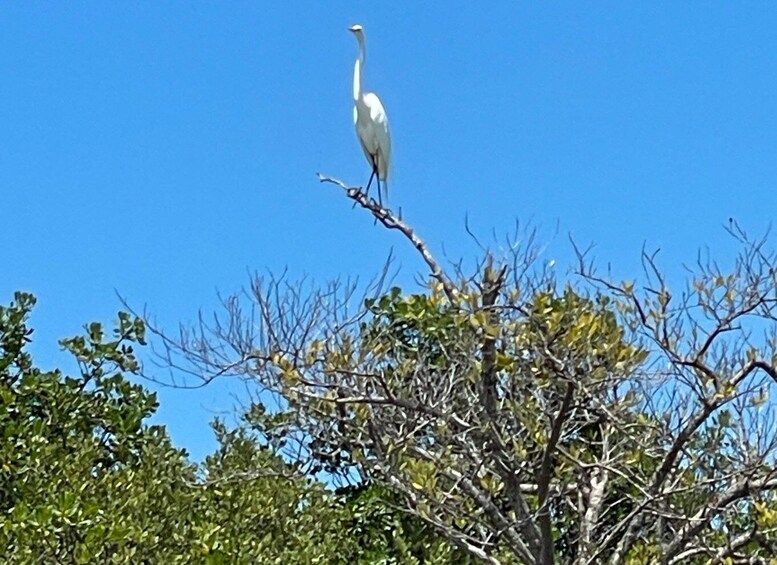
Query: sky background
x=166 y=150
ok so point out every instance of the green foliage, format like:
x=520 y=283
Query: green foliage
x=254 y=508
x=384 y=532
x=84 y=479
x=404 y=329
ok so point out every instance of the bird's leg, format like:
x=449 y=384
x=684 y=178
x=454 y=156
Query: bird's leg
x=369 y=183
x=380 y=198
x=374 y=175
x=377 y=176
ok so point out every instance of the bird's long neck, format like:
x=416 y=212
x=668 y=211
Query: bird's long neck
x=357 y=71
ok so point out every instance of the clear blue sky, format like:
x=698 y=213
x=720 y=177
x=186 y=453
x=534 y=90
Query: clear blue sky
x=164 y=150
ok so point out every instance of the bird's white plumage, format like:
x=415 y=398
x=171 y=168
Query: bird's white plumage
x=372 y=127
x=370 y=119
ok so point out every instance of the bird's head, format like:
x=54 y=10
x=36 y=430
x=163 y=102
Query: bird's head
x=357 y=30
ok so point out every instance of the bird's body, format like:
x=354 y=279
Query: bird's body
x=371 y=121
x=372 y=127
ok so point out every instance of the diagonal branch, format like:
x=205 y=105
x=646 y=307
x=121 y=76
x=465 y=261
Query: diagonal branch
x=392 y=222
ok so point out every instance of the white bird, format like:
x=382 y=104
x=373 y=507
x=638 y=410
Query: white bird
x=371 y=122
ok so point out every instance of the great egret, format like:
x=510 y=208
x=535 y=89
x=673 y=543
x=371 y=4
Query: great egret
x=371 y=122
